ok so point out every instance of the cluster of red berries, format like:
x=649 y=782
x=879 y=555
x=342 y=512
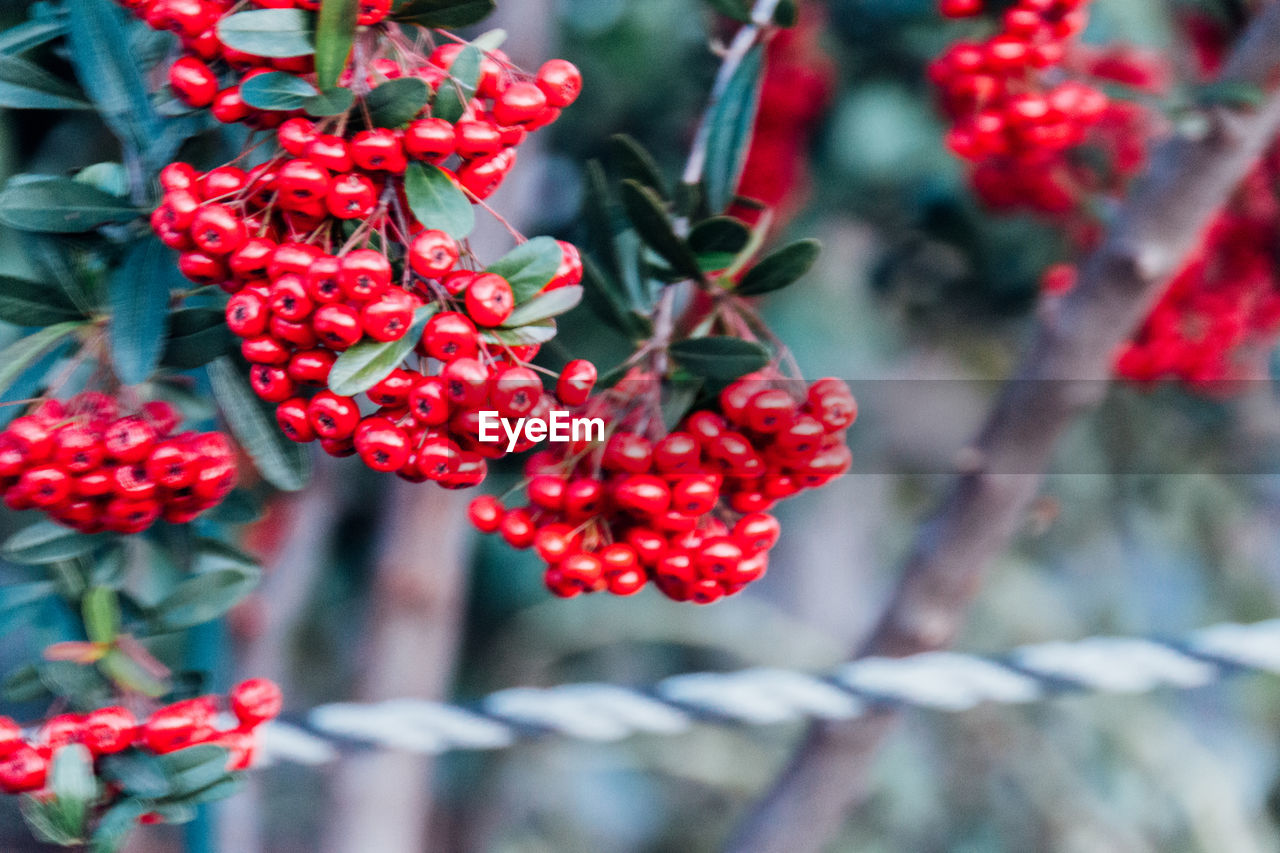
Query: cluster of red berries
x=24 y=763
x=687 y=510
x=92 y=469
x=1024 y=99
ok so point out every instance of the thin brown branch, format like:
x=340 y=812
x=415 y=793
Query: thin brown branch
x=1064 y=374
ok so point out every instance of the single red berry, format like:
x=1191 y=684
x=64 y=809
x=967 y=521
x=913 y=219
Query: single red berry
x=256 y=701
x=433 y=253
x=351 y=196
x=560 y=81
x=388 y=316
x=291 y=415
x=338 y=326
x=486 y=513
x=521 y=103
x=576 y=382
x=193 y=81
x=333 y=416
x=432 y=139
x=450 y=335
x=489 y=300
x=364 y=274
x=107 y=731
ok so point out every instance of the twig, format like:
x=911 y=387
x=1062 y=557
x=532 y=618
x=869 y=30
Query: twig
x=1064 y=374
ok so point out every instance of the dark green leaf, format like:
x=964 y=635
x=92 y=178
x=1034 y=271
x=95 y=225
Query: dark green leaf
x=283 y=463
x=437 y=201
x=116 y=824
x=32 y=33
x=335 y=33
x=676 y=401
x=534 y=333
x=444 y=13
x=16 y=595
x=718 y=241
x=174 y=814
x=130 y=675
x=204 y=598
x=730 y=124
x=26 y=86
x=277 y=90
x=529 y=267
x=738 y=10
x=719 y=357
x=24 y=684
x=634 y=162
x=45 y=821
x=787 y=14
x=110 y=73
x=456 y=92
x=645 y=210
x=398 y=101
x=82 y=685
x=276 y=33
x=366 y=364
x=74 y=787
x=780 y=269
x=194 y=769
x=110 y=177
x=606 y=298
x=227 y=785
x=239 y=507
x=598 y=211
x=139 y=300
x=491 y=40
x=26 y=303
x=331 y=102
x=138 y=773
x=61 y=205
x=46 y=542
x=196 y=337
x=553 y=303
x=22 y=353
x=1237 y=94
x=101 y=611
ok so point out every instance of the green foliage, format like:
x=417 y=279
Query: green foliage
x=785 y=266
x=281 y=462
x=61 y=206
x=719 y=358
x=278 y=90
x=367 y=363
x=730 y=125
x=550 y=304
x=28 y=303
x=528 y=267
x=277 y=33
x=335 y=34
x=645 y=210
x=443 y=13
x=139 y=302
x=396 y=102
x=46 y=542
x=437 y=201
x=456 y=92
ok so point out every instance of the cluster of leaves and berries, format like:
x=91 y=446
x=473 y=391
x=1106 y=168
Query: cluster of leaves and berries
x=346 y=252
x=1031 y=113
x=92 y=777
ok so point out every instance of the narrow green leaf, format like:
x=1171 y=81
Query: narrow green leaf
x=532 y=334
x=128 y=674
x=553 y=303
x=227 y=786
x=204 y=598
x=490 y=40
x=32 y=33
x=335 y=34
x=20 y=354
x=731 y=123
x=27 y=86
x=332 y=102
x=677 y=400
x=718 y=242
x=27 y=303
x=397 y=102
x=780 y=269
x=61 y=205
x=787 y=14
x=116 y=824
x=101 y=611
x=24 y=684
x=29 y=380
x=139 y=300
x=45 y=823
x=366 y=364
x=275 y=33
x=283 y=463
x=444 y=13
x=598 y=211
x=74 y=787
x=456 y=92
x=196 y=337
x=15 y=595
x=437 y=201
x=721 y=358
x=529 y=267
x=738 y=10
x=138 y=773
x=634 y=162
x=46 y=542
x=609 y=302
x=277 y=90
x=109 y=176
x=649 y=217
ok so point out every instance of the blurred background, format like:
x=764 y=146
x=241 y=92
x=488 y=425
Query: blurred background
x=1161 y=515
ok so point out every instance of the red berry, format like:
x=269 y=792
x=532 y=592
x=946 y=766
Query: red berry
x=193 y=81
x=364 y=274
x=490 y=300
x=256 y=701
x=576 y=382
x=433 y=253
x=561 y=81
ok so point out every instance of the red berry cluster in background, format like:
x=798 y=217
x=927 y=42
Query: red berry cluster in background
x=90 y=468
x=25 y=762
x=686 y=509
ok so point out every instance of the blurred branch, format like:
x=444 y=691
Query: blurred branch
x=1064 y=374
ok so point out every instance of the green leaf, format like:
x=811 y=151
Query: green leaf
x=719 y=357
x=101 y=611
x=32 y=33
x=227 y=786
x=634 y=162
x=139 y=300
x=366 y=364
x=456 y=92
x=274 y=33
x=139 y=773
x=444 y=13
x=490 y=40
x=283 y=463
x=397 y=102
x=20 y=354
x=26 y=86
x=335 y=34
x=24 y=684
x=277 y=90
x=677 y=400
x=194 y=769
x=787 y=14
x=204 y=598
x=532 y=334
x=27 y=303
x=110 y=177
x=598 y=211
x=61 y=205
x=553 y=303
x=46 y=542
x=174 y=814
x=15 y=595
x=649 y=217
x=1236 y=94
x=718 y=241
x=127 y=673
x=437 y=202
x=738 y=10
x=730 y=125
x=74 y=787
x=116 y=824
x=110 y=73
x=609 y=302
x=529 y=267
x=780 y=269
x=331 y=102
x=239 y=507
x=45 y=821
x=196 y=337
